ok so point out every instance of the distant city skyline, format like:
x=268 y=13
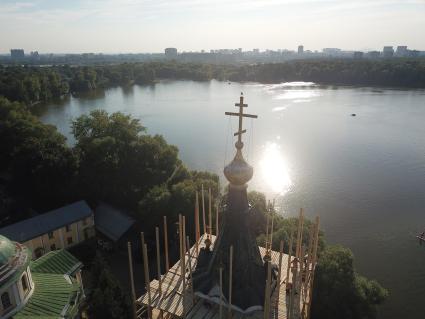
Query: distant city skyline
x=142 y=26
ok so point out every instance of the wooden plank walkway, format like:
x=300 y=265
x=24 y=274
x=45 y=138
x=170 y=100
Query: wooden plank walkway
x=176 y=302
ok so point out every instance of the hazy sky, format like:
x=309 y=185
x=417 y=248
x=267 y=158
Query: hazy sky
x=151 y=25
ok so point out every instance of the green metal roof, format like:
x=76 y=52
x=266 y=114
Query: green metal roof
x=7 y=250
x=55 y=296
x=57 y=262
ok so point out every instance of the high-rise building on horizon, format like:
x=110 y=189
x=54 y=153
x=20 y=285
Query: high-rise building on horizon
x=388 y=51
x=17 y=53
x=331 y=51
x=170 y=53
x=34 y=55
x=402 y=51
x=300 y=49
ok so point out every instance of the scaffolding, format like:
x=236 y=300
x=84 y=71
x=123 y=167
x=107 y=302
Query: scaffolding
x=171 y=294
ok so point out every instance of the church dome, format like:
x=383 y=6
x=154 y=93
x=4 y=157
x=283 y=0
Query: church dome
x=14 y=259
x=7 y=250
x=238 y=172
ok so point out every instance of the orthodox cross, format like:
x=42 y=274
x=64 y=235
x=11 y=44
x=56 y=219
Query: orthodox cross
x=241 y=115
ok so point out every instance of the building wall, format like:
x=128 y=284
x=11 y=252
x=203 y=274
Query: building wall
x=18 y=296
x=63 y=237
x=10 y=290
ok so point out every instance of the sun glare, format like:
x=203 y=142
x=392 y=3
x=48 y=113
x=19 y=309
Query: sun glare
x=274 y=169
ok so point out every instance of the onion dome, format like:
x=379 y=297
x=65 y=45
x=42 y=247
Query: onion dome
x=238 y=172
x=7 y=250
x=14 y=258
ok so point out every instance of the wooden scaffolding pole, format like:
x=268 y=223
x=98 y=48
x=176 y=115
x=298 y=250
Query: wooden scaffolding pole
x=158 y=260
x=147 y=280
x=266 y=310
x=279 y=275
x=272 y=225
x=229 y=309
x=267 y=232
x=302 y=268
x=182 y=257
x=216 y=220
x=133 y=290
x=221 y=293
x=310 y=243
x=204 y=222
x=271 y=233
x=190 y=269
x=307 y=271
x=313 y=265
x=309 y=255
x=184 y=250
x=197 y=224
x=167 y=261
x=289 y=257
x=316 y=237
x=210 y=226
x=299 y=233
x=142 y=240
x=293 y=287
x=301 y=292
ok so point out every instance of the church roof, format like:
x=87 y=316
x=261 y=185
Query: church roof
x=112 y=222
x=55 y=296
x=47 y=222
x=57 y=262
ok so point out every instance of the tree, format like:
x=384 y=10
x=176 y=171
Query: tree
x=177 y=196
x=107 y=299
x=339 y=292
x=41 y=168
x=119 y=163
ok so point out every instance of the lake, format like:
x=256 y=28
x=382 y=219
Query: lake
x=364 y=175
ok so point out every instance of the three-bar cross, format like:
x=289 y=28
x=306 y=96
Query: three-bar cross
x=241 y=115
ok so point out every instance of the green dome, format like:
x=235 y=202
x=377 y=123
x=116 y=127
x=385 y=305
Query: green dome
x=7 y=250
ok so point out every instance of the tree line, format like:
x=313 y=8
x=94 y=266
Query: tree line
x=386 y=73
x=30 y=84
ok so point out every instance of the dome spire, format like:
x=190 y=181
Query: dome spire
x=239 y=172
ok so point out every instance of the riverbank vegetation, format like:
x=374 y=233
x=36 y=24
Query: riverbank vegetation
x=31 y=85
x=338 y=290
x=114 y=160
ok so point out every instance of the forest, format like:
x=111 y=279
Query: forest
x=32 y=85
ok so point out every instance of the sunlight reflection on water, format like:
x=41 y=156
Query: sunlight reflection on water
x=279 y=108
x=296 y=94
x=274 y=169
x=290 y=85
